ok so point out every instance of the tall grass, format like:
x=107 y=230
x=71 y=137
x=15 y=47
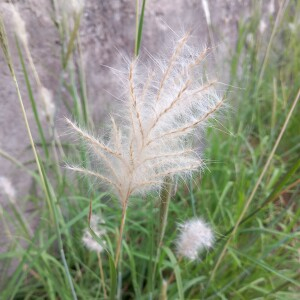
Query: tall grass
x=250 y=194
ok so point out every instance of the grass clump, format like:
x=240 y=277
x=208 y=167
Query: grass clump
x=250 y=196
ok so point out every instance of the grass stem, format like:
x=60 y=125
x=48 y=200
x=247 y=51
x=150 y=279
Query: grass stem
x=119 y=243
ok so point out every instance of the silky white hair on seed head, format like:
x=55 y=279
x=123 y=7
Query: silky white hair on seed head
x=20 y=26
x=71 y=7
x=195 y=236
x=7 y=187
x=96 y=224
x=49 y=106
x=162 y=106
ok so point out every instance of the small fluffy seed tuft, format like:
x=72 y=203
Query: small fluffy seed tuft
x=49 y=106
x=87 y=239
x=7 y=188
x=72 y=7
x=195 y=236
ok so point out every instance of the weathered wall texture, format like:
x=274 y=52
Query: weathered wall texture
x=108 y=27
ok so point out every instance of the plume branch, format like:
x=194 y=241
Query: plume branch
x=188 y=127
x=95 y=174
x=91 y=140
x=175 y=55
x=134 y=101
x=177 y=171
x=167 y=155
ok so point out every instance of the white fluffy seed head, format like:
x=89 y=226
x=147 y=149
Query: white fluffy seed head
x=195 y=236
x=72 y=7
x=262 y=26
x=19 y=24
x=164 y=104
x=7 y=188
x=87 y=239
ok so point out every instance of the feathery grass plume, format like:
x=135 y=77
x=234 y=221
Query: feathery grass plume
x=87 y=239
x=49 y=105
x=161 y=111
x=19 y=25
x=195 y=236
x=163 y=105
x=7 y=188
x=72 y=7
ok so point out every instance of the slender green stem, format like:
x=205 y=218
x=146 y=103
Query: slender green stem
x=139 y=29
x=136 y=27
x=32 y=144
x=164 y=211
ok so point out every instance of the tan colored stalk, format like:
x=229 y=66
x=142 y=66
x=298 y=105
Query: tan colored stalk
x=163 y=211
x=164 y=291
x=101 y=274
x=119 y=243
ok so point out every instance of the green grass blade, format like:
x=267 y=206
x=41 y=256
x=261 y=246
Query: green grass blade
x=263 y=265
x=32 y=101
x=274 y=194
x=133 y=271
x=113 y=278
x=176 y=271
x=140 y=30
x=72 y=40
